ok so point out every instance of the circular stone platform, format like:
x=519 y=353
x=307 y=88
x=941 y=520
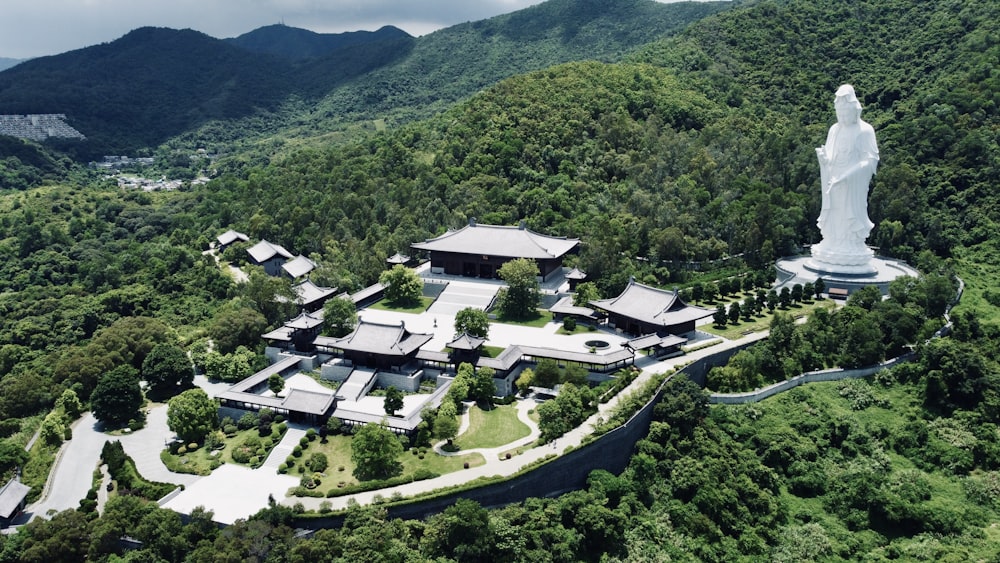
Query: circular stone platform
x=795 y=270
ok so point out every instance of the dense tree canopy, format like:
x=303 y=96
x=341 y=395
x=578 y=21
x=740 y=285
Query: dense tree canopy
x=374 y=451
x=168 y=370
x=192 y=415
x=117 y=397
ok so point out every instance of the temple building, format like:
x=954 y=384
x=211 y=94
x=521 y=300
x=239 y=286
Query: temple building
x=641 y=309
x=376 y=345
x=269 y=256
x=480 y=250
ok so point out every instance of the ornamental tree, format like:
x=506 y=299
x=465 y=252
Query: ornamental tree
x=117 y=397
x=374 y=451
x=520 y=298
x=340 y=316
x=276 y=383
x=393 y=400
x=402 y=285
x=192 y=415
x=473 y=321
x=168 y=370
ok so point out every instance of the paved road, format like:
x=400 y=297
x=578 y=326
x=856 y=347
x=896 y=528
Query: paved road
x=144 y=446
x=72 y=474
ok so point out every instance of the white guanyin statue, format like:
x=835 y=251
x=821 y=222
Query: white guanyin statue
x=847 y=163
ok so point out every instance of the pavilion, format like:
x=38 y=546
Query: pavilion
x=480 y=250
x=642 y=309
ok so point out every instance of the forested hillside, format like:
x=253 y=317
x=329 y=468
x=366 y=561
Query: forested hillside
x=153 y=84
x=294 y=43
x=696 y=149
x=452 y=63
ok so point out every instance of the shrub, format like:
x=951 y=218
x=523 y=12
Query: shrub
x=303 y=441
x=290 y=461
x=279 y=418
x=318 y=462
x=193 y=446
x=325 y=507
x=311 y=434
x=230 y=430
x=302 y=469
x=569 y=324
x=182 y=450
x=254 y=461
x=283 y=468
x=297 y=451
x=247 y=421
x=242 y=454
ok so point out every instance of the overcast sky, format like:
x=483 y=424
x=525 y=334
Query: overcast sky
x=33 y=28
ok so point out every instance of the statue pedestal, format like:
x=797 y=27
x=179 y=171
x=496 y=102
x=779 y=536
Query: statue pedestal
x=841 y=261
x=878 y=271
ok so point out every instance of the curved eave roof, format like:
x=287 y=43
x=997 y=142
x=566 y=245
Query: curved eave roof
x=494 y=240
x=376 y=338
x=651 y=305
x=264 y=251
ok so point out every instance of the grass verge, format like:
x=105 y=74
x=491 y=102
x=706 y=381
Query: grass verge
x=492 y=428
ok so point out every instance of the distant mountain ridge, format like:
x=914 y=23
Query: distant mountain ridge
x=296 y=44
x=6 y=63
x=154 y=84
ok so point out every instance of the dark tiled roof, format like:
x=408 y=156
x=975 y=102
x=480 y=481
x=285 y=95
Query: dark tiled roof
x=565 y=306
x=231 y=236
x=377 y=338
x=466 y=342
x=298 y=267
x=307 y=292
x=398 y=258
x=11 y=496
x=650 y=340
x=493 y=240
x=651 y=305
x=264 y=251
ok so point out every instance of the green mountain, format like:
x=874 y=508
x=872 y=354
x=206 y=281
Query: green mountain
x=155 y=84
x=453 y=63
x=293 y=43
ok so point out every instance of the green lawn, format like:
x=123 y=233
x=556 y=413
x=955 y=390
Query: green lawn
x=203 y=461
x=763 y=321
x=538 y=320
x=415 y=309
x=340 y=468
x=492 y=428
